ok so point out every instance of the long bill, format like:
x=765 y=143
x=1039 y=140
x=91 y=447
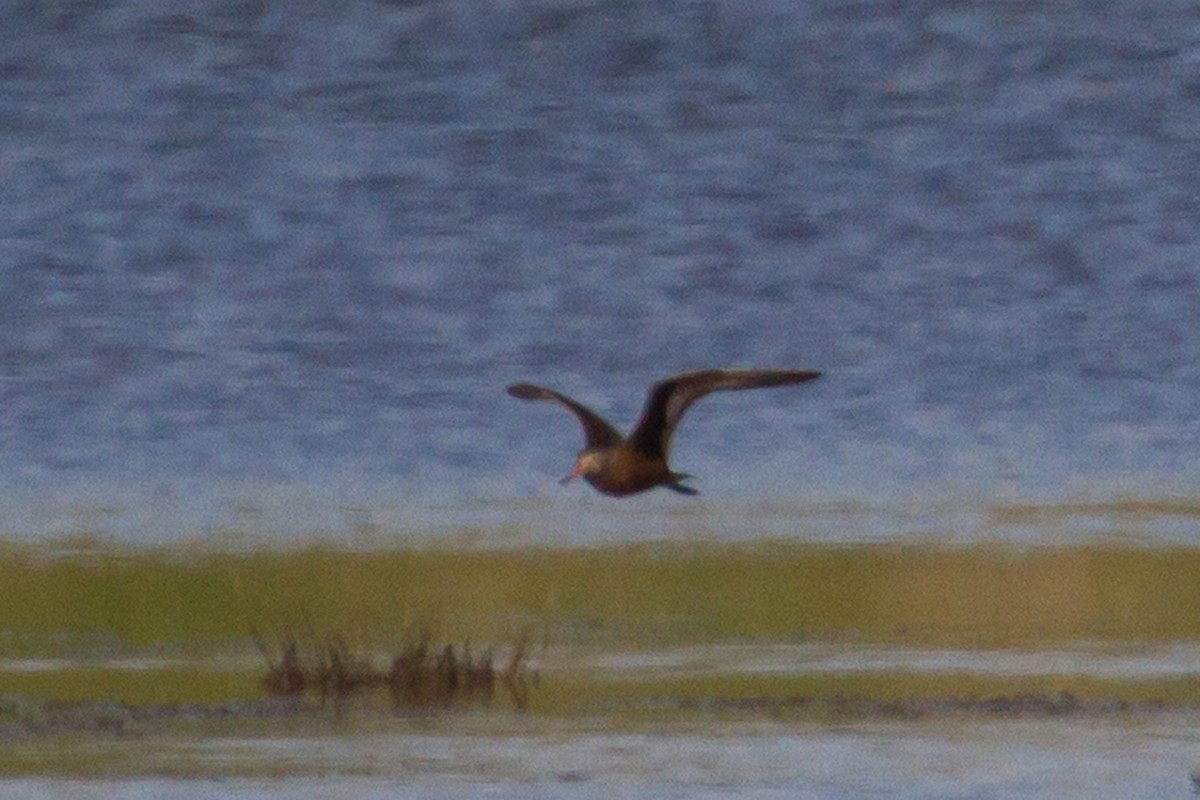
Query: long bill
x=575 y=473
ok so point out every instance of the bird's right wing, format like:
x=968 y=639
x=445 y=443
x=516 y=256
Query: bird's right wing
x=596 y=431
x=670 y=398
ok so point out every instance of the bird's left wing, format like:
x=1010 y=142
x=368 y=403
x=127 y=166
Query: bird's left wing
x=596 y=431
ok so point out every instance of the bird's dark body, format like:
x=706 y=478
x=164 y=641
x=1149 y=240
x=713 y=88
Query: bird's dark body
x=620 y=465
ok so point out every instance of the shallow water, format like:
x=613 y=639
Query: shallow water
x=1010 y=758
x=270 y=272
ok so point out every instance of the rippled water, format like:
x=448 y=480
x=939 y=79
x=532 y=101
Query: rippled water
x=274 y=263
x=1016 y=759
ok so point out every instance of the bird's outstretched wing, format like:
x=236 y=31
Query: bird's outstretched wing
x=669 y=398
x=596 y=431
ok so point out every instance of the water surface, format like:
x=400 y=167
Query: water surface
x=270 y=272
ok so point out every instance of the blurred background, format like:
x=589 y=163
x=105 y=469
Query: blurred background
x=265 y=269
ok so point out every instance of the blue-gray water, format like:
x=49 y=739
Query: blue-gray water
x=265 y=266
x=1025 y=759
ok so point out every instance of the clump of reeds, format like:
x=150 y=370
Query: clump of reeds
x=421 y=675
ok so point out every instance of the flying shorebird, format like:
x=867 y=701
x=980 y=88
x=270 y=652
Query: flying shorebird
x=623 y=465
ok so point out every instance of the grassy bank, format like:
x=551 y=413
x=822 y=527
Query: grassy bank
x=88 y=614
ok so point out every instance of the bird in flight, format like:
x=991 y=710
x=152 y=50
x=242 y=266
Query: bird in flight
x=623 y=465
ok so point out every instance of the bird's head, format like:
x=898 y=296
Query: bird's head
x=589 y=462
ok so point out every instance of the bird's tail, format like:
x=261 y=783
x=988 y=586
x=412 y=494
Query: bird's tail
x=676 y=486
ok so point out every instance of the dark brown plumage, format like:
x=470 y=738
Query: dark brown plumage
x=623 y=465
